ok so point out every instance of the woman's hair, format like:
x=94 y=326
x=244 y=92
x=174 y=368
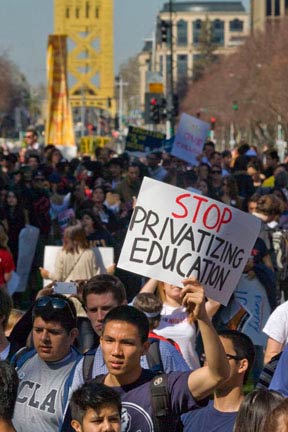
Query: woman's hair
x=14 y=317
x=277 y=421
x=3 y=238
x=232 y=186
x=77 y=236
x=270 y=205
x=97 y=224
x=254 y=410
x=160 y=291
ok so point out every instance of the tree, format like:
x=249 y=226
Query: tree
x=206 y=49
x=255 y=79
x=129 y=71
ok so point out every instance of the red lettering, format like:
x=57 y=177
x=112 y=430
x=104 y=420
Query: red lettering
x=178 y=201
x=222 y=218
x=200 y=201
x=206 y=215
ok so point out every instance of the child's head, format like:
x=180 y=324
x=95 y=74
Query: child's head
x=95 y=408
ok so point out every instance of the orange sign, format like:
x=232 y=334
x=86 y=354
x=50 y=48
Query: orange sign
x=156 y=88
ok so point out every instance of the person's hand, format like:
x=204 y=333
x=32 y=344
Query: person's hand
x=193 y=298
x=111 y=269
x=44 y=273
x=46 y=291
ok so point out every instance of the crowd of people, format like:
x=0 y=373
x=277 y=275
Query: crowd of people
x=125 y=352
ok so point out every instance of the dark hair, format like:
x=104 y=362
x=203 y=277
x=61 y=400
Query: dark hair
x=243 y=347
x=32 y=130
x=105 y=283
x=209 y=144
x=8 y=390
x=254 y=409
x=97 y=224
x=226 y=153
x=149 y=303
x=66 y=316
x=273 y=154
x=270 y=205
x=93 y=395
x=33 y=155
x=277 y=419
x=132 y=316
x=77 y=235
x=6 y=306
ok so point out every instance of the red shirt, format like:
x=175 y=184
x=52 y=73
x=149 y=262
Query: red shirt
x=6 y=264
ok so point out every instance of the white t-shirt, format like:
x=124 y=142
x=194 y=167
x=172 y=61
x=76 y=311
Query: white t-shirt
x=174 y=325
x=276 y=326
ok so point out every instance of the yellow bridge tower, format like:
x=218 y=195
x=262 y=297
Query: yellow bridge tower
x=88 y=25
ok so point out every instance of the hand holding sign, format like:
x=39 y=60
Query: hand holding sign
x=193 y=298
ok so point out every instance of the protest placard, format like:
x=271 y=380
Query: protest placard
x=142 y=140
x=174 y=234
x=104 y=258
x=190 y=139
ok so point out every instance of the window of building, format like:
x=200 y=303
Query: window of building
x=277 y=7
x=182 y=66
x=97 y=12
x=77 y=12
x=87 y=9
x=182 y=38
x=268 y=7
x=218 y=32
x=67 y=12
x=236 y=25
x=197 y=25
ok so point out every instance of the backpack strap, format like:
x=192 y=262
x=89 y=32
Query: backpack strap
x=153 y=356
x=20 y=357
x=268 y=372
x=161 y=405
x=88 y=361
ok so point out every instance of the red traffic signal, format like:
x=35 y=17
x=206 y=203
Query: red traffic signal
x=212 y=122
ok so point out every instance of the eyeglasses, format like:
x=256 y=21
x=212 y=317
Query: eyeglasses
x=228 y=356
x=28 y=136
x=216 y=172
x=55 y=302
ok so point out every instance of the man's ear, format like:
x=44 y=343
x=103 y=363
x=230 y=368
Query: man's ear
x=74 y=333
x=76 y=426
x=243 y=365
x=146 y=347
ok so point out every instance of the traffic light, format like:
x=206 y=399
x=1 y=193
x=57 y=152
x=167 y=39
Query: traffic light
x=212 y=123
x=163 y=109
x=164 y=26
x=154 y=110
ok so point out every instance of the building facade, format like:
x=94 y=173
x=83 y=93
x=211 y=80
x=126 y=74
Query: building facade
x=265 y=12
x=230 y=25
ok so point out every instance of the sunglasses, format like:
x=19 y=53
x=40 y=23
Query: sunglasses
x=55 y=302
x=228 y=356
x=216 y=172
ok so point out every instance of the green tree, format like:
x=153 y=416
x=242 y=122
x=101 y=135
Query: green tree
x=206 y=50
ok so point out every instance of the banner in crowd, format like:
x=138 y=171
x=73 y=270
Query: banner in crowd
x=28 y=239
x=174 y=234
x=104 y=258
x=59 y=123
x=190 y=139
x=142 y=140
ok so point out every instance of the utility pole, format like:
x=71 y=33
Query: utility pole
x=120 y=83
x=170 y=98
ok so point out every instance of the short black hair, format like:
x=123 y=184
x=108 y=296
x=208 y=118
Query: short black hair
x=242 y=345
x=102 y=284
x=93 y=395
x=132 y=316
x=8 y=390
x=66 y=316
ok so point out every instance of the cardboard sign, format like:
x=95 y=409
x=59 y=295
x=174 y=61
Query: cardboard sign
x=104 y=258
x=143 y=140
x=174 y=234
x=190 y=138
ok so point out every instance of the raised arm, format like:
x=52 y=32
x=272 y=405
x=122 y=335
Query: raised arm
x=204 y=380
x=149 y=287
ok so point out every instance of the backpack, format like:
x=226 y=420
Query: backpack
x=279 y=247
x=268 y=372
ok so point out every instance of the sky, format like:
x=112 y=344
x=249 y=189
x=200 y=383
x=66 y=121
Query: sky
x=26 y=24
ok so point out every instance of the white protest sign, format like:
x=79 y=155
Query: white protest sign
x=104 y=258
x=190 y=138
x=174 y=234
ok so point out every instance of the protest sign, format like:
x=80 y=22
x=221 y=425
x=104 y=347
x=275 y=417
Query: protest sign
x=190 y=139
x=142 y=140
x=28 y=239
x=174 y=234
x=104 y=258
